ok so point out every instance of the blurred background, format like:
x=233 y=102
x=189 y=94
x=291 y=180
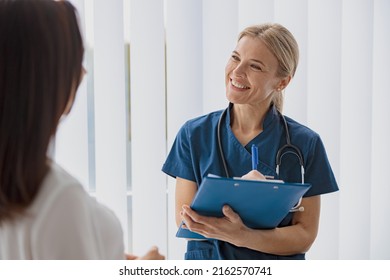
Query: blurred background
x=153 y=64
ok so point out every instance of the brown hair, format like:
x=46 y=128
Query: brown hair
x=41 y=53
x=284 y=47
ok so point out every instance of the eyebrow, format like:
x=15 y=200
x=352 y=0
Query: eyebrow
x=255 y=60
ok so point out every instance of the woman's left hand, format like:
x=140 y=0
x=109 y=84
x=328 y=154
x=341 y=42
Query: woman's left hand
x=229 y=228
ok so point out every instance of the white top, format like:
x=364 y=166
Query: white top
x=63 y=222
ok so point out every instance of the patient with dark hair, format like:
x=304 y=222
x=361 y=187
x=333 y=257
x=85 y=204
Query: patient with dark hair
x=45 y=212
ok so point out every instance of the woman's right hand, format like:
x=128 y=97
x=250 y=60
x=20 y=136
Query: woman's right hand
x=254 y=175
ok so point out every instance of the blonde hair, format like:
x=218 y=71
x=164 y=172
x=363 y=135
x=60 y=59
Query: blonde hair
x=284 y=47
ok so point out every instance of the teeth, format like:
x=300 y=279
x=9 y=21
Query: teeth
x=236 y=84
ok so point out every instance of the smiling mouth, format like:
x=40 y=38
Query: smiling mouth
x=238 y=85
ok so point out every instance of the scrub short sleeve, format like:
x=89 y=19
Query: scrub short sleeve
x=179 y=160
x=318 y=171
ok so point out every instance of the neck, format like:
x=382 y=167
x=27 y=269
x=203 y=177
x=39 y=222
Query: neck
x=247 y=121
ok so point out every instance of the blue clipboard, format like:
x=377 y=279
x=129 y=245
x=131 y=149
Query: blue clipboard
x=260 y=204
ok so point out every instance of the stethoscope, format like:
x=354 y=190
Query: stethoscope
x=288 y=148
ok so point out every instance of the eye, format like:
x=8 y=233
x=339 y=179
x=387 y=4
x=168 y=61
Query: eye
x=235 y=57
x=256 y=67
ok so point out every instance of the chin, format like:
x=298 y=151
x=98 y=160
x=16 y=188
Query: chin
x=234 y=100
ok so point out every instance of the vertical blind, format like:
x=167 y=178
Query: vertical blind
x=115 y=140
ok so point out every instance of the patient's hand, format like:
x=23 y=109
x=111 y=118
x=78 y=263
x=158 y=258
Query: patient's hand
x=152 y=254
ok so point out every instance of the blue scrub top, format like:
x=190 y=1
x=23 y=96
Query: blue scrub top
x=195 y=154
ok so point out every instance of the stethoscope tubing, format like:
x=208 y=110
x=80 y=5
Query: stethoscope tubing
x=288 y=148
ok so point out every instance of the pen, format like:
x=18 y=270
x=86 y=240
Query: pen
x=255 y=157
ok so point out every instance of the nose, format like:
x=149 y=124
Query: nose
x=239 y=70
x=83 y=70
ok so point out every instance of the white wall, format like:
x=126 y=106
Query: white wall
x=323 y=108
x=177 y=58
x=184 y=86
x=380 y=133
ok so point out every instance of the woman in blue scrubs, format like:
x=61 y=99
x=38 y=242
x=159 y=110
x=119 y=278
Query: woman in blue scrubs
x=259 y=69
